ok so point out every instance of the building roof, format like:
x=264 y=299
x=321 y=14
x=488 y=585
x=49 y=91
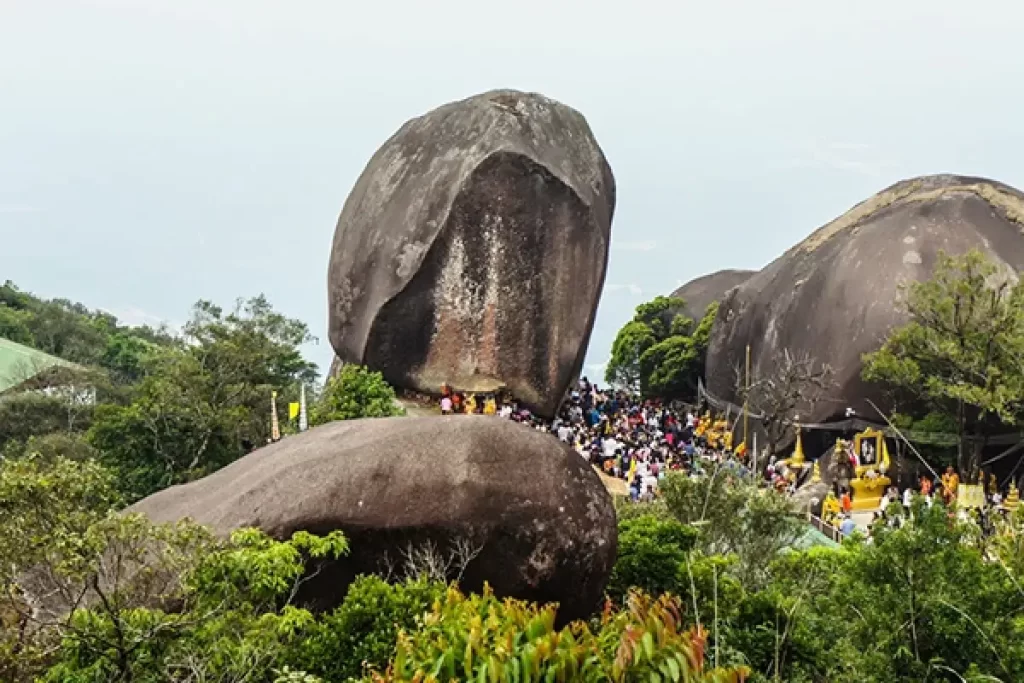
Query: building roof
x=19 y=364
x=811 y=538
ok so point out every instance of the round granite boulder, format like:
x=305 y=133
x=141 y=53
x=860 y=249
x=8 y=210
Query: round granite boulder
x=531 y=514
x=836 y=295
x=472 y=250
x=705 y=290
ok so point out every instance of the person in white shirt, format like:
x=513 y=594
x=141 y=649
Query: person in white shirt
x=564 y=433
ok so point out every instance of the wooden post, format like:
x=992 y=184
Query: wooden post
x=275 y=429
x=746 y=399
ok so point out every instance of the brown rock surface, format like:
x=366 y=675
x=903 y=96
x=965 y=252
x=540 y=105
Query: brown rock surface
x=537 y=512
x=472 y=250
x=703 y=291
x=835 y=295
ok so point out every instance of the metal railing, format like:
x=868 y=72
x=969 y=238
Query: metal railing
x=824 y=527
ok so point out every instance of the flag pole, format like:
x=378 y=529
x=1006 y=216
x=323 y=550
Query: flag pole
x=275 y=428
x=746 y=399
x=303 y=418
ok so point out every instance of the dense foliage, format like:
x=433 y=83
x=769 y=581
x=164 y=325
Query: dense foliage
x=482 y=638
x=928 y=599
x=73 y=332
x=355 y=392
x=361 y=634
x=168 y=407
x=89 y=594
x=661 y=352
x=959 y=355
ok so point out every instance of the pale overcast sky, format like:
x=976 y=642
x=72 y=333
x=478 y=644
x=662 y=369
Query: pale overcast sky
x=153 y=152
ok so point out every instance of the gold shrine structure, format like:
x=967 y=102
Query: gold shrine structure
x=797 y=463
x=870 y=480
x=1012 y=501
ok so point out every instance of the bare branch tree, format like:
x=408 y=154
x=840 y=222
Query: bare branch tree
x=793 y=385
x=426 y=560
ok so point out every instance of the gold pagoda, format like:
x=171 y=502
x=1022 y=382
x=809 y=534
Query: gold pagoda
x=797 y=462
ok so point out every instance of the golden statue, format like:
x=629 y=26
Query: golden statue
x=870 y=479
x=950 y=483
x=993 y=484
x=471 y=404
x=830 y=508
x=490 y=406
x=816 y=473
x=702 y=424
x=1012 y=498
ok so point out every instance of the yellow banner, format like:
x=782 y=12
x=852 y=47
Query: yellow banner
x=293 y=411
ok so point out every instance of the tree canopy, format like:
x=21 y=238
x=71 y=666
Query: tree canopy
x=354 y=393
x=169 y=407
x=661 y=352
x=962 y=352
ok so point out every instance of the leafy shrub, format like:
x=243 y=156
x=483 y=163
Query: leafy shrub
x=734 y=517
x=651 y=556
x=361 y=633
x=355 y=392
x=480 y=637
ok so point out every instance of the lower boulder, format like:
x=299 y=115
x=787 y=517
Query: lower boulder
x=488 y=498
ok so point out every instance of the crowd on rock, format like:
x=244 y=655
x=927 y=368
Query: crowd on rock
x=627 y=438
x=639 y=441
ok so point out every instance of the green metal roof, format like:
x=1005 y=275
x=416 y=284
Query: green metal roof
x=811 y=538
x=18 y=364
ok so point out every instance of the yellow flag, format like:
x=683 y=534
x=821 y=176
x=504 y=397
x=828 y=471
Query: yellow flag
x=293 y=411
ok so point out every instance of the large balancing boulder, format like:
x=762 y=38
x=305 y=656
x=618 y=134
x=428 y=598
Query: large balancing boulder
x=705 y=290
x=472 y=250
x=836 y=295
x=530 y=512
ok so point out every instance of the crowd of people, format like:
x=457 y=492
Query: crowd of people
x=640 y=441
x=982 y=502
x=627 y=438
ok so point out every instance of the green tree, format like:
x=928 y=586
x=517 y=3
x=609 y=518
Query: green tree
x=652 y=555
x=14 y=325
x=961 y=350
x=46 y=508
x=206 y=403
x=362 y=632
x=354 y=393
x=71 y=331
x=87 y=594
x=630 y=344
x=661 y=352
x=734 y=517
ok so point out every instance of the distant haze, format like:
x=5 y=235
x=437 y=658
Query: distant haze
x=153 y=152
